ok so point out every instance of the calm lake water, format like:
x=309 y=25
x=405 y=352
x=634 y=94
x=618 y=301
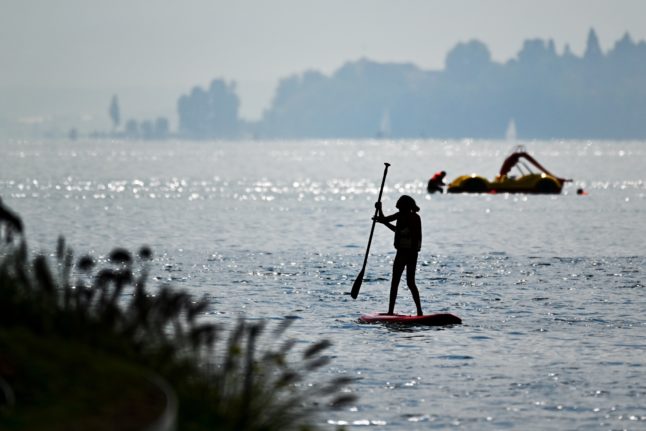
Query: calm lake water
x=550 y=288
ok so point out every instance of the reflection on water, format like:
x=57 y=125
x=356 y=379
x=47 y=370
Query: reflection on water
x=550 y=288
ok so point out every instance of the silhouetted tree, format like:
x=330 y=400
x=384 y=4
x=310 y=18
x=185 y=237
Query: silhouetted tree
x=211 y=113
x=537 y=52
x=468 y=58
x=146 y=129
x=592 y=48
x=115 y=114
x=161 y=128
x=132 y=128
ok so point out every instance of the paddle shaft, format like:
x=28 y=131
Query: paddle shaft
x=357 y=283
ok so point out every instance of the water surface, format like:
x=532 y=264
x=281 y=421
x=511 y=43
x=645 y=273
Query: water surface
x=550 y=288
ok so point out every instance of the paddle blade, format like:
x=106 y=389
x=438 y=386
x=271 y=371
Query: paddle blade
x=357 y=285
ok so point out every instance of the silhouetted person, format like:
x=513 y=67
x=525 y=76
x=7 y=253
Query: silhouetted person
x=408 y=242
x=10 y=223
x=436 y=182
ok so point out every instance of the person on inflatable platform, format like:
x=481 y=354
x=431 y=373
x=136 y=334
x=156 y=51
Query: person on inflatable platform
x=408 y=242
x=436 y=182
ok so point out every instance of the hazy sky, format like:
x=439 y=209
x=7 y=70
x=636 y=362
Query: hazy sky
x=150 y=52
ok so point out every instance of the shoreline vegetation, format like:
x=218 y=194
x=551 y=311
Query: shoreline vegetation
x=544 y=92
x=84 y=344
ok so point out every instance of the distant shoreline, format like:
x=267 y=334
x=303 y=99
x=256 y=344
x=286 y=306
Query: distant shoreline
x=543 y=93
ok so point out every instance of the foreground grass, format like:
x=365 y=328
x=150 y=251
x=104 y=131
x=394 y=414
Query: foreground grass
x=82 y=344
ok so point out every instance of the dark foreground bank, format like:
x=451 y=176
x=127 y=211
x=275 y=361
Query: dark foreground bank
x=85 y=345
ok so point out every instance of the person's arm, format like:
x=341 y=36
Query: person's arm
x=386 y=222
x=383 y=219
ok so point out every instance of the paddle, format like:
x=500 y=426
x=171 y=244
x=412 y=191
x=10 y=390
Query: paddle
x=357 y=283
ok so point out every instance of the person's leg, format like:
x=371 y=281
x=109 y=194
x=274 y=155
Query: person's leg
x=411 y=266
x=398 y=269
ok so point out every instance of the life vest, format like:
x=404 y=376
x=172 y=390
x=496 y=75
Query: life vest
x=437 y=178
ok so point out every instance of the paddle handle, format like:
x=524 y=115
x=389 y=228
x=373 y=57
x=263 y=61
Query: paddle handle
x=357 y=283
x=374 y=220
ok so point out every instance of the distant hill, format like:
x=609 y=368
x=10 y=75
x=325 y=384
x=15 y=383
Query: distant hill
x=546 y=94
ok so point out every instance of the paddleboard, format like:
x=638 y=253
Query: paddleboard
x=436 y=319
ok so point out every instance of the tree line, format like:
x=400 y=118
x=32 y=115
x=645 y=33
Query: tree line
x=546 y=94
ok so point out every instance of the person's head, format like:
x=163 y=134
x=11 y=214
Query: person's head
x=443 y=174
x=406 y=203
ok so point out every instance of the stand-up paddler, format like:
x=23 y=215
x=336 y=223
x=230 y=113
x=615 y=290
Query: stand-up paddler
x=408 y=242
